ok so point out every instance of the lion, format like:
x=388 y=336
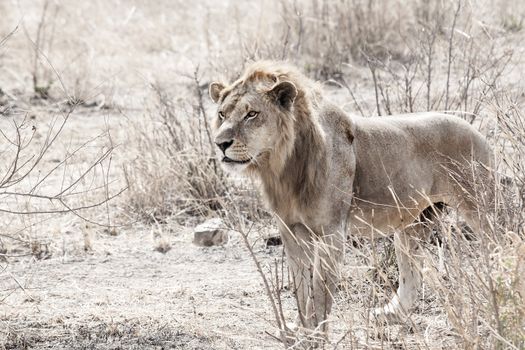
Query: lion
x=325 y=173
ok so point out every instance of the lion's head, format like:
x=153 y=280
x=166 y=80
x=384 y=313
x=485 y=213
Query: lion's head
x=254 y=126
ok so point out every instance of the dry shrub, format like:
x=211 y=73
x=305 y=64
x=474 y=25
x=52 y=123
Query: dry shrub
x=481 y=286
x=176 y=171
x=507 y=259
x=332 y=33
x=324 y=36
x=451 y=62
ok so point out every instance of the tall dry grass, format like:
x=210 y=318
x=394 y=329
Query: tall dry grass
x=176 y=172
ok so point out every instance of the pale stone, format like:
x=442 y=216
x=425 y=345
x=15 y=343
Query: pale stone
x=209 y=233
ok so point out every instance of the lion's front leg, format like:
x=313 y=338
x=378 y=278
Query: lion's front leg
x=299 y=250
x=328 y=258
x=314 y=264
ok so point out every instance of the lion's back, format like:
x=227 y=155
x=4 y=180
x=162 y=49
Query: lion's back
x=411 y=154
x=423 y=134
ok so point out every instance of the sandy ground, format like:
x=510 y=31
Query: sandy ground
x=126 y=295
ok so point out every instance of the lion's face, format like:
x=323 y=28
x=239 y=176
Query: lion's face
x=248 y=122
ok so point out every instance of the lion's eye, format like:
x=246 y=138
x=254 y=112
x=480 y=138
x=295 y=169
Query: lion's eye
x=221 y=116
x=251 y=115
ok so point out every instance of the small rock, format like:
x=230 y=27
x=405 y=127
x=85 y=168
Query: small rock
x=209 y=233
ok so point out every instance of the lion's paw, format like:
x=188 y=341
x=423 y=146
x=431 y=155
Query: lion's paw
x=386 y=315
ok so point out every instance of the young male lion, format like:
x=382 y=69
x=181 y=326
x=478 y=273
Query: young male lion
x=323 y=172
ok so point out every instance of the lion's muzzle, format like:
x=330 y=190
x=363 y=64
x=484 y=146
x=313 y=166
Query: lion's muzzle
x=233 y=152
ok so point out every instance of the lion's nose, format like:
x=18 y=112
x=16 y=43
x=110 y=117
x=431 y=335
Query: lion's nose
x=224 y=145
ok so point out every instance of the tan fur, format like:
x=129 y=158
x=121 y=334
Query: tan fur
x=324 y=172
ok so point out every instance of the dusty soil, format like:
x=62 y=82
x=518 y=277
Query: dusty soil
x=124 y=294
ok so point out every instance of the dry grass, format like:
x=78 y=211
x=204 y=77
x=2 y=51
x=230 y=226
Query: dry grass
x=374 y=58
x=176 y=172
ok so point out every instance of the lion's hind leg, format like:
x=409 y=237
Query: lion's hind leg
x=409 y=255
x=409 y=263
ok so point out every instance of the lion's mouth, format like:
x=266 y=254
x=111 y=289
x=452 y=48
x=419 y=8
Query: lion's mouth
x=229 y=160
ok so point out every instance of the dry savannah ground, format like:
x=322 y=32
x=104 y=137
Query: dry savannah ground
x=106 y=167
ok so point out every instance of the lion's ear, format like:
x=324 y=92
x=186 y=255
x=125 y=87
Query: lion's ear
x=283 y=94
x=215 y=90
